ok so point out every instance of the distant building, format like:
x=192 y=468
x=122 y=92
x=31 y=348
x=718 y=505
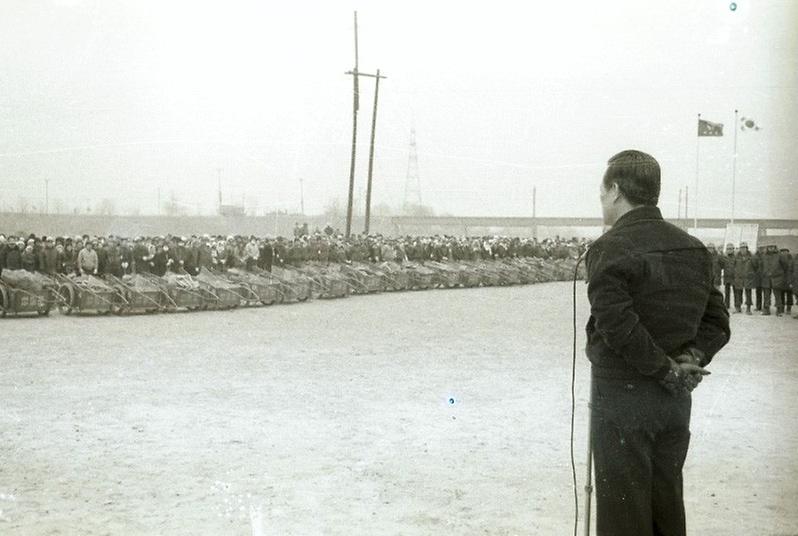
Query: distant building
x=231 y=210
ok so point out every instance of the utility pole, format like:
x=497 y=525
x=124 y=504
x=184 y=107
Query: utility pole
x=371 y=147
x=734 y=167
x=695 y=210
x=219 y=181
x=535 y=212
x=301 y=198
x=159 y=201
x=355 y=105
x=356 y=74
x=686 y=195
x=46 y=196
x=679 y=210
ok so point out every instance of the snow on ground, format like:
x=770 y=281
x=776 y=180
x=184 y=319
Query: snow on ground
x=416 y=413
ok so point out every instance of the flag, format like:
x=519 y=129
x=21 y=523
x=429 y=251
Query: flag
x=708 y=128
x=746 y=123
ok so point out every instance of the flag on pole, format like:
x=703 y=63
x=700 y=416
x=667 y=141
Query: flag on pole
x=746 y=123
x=708 y=128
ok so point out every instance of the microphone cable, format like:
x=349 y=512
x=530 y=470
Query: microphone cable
x=573 y=397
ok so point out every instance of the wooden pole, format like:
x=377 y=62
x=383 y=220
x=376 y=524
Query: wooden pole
x=356 y=99
x=371 y=150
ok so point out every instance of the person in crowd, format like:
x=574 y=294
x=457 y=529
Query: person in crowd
x=13 y=260
x=771 y=280
x=3 y=251
x=794 y=280
x=727 y=268
x=717 y=270
x=125 y=256
x=161 y=261
x=251 y=254
x=88 y=263
x=141 y=256
x=49 y=258
x=757 y=266
x=743 y=278
x=28 y=258
x=70 y=258
x=786 y=269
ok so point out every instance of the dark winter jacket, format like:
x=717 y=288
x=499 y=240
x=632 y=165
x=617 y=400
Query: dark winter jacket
x=651 y=297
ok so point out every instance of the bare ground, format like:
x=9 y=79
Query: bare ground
x=439 y=412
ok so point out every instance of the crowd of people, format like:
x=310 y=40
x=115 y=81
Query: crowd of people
x=751 y=279
x=759 y=281
x=115 y=255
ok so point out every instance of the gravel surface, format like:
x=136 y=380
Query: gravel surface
x=416 y=413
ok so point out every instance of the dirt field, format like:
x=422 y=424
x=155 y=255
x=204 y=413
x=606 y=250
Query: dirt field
x=419 y=413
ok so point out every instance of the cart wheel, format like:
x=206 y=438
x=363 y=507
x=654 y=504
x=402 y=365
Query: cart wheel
x=67 y=293
x=117 y=308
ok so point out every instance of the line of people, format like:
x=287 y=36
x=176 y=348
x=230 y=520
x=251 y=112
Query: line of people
x=85 y=255
x=752 y=279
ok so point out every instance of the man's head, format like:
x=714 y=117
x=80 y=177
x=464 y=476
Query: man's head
x=632 y=180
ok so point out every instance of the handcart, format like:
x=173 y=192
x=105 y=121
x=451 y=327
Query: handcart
x=178 y=292
x=468 y=275
x=258 y=286
x=326 y=282
x=296 y=287
x=446 y=275
x=394 y=277
x=367 y=279
x=23 y=292
x=421 y=277
x=508 y=273
x=490 y=277
x=87 y=294
x=137 y=294
x=220 y=293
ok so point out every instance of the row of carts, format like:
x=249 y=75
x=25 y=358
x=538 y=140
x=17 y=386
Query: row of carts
x=31 y=293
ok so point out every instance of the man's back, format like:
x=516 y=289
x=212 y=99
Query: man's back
x=646 y=273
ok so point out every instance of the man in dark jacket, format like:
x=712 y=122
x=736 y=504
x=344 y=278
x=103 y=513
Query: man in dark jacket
x=141 y=257
x=266 y=256
x=757 y=263
x=49 y=258
x=785 y=266
x=772 y=280
x=727 y=266
x=743 y=278
x=656 y=321
x=14 y=255
x=3 y=251
x=28 y=258
x=794 y=280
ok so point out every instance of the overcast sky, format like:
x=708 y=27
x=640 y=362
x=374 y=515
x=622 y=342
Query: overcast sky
x=118 y=99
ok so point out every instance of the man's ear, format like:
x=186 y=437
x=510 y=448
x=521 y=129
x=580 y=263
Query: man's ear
x=615 y=192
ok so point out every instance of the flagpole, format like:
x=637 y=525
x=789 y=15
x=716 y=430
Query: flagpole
x=695 y=193
x=734 y=167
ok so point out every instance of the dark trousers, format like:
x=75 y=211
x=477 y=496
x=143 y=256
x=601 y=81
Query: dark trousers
x=765 y=299
x=640 y=434
x=758 y=298
x=782 y=297
x=738 y=297
x=787 y=298
x=727 y=299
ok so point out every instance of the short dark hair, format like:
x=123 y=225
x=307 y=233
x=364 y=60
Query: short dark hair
x=637 y=175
